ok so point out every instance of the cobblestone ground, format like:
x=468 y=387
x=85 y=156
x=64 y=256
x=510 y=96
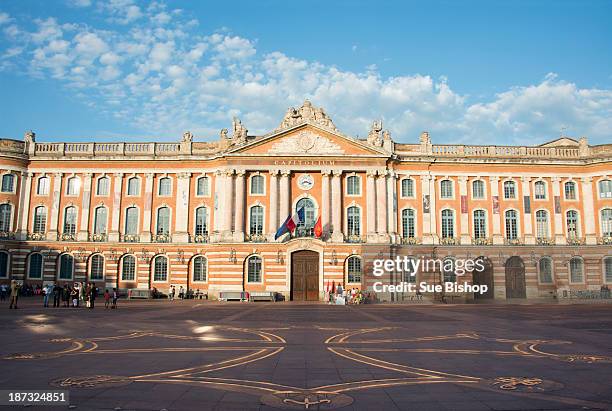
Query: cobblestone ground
x=199 y=355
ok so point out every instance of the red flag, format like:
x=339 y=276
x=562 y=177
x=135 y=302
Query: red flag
x=318 y=228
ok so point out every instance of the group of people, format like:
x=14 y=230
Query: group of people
x=339 y=295
x=77 y=295
x=185 y=294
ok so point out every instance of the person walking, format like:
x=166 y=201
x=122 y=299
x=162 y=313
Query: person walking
x=93 y=293
x=46 y=291
x=74 y=294
x=57 y=290
x=115 y=297
x=14 y=294
x=106 y=299
x=66 y=295
x=3 y=291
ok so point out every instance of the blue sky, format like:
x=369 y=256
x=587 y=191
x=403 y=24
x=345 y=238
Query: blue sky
x=505 y=72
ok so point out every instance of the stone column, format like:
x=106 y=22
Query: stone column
x=273 y=213
x=181 y=228
x=392 y=205
x=23 y=208
x=426 y=200
x=466 y=237
x=285 y=195
x=239 y=207
x=557 y=220
x=371 y=206
x=433 y=222
x=589 y=211
x=145 y=236
x=325 y=203
x=227 y=205
x=219 y=203
x=381 y=206
x=55 y=205
x=336 y=199
x=527 y=214
x=83 y=233
x=116 y=214
x=496 y=218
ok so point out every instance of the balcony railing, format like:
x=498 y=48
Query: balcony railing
x=513 y=241
x=66 y=237
x=199 y=238
x=411 y=240
x=98 y=238
x=545 y=241
x=162 y=238
x=255 y=238
x=36 y=236
x=482 y=241
x=605 y=240
x=301 y=232
x=129 y=238
x=573 y=240
x=449 y=241
x=7 y=235
x=354 y=238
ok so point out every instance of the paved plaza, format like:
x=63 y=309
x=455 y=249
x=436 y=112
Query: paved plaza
x=199 y=355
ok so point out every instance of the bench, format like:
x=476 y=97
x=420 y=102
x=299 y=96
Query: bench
x=232 y=296
x=262 y=296
x=139 y=293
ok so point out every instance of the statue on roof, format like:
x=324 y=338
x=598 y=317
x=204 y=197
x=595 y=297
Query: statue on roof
x=306 y=113
x=374 y=137
x=239 y=134
x=187 y=137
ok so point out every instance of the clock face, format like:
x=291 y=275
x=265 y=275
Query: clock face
x=305 y=182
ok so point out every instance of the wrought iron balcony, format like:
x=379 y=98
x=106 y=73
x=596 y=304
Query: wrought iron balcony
x=7 y=235
x=411 y=240
x=255 y=238
x=449 y=241
x=513 y=241
x=545 y=241
x=162 y=238
x=66 y=237
x=98 y=238
x=36 y=236
x=482 y=241
x=199 y=238
x=605 y=240
x=354 y=238
x=129 y=238
x=301 y=232
x=573 y=240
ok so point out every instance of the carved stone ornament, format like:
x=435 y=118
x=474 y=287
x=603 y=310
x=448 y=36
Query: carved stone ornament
x=306 y=113
x=306 y=142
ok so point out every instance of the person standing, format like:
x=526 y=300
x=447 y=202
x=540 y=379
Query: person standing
x=3 y=290
x=93 y=293
x=56 y=295
x=74 y=294
x=106 y=299
x=14 y=294
x=45 y=292
x=115 y=297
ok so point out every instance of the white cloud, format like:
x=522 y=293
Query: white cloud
x=162 y=76
x=79 y=3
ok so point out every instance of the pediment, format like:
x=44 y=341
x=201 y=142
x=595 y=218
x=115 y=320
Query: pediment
x=561 y=142
x=307 y=140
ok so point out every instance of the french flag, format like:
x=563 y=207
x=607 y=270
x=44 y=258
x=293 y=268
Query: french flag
x=290 y=223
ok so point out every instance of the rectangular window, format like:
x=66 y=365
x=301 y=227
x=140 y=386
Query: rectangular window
x=570 y=190
x=478 y=189
x=408 y=188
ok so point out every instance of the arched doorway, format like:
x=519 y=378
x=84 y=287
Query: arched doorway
x=515 y=278
x=484 y=277
x=305 y=276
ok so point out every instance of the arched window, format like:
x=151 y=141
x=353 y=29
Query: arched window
x=128 y=268
x=511 y=225
x=256 y=220
x=540 y=190
x=199 y=268
x=163 y=221
x=576 y=266
x=70 y=219
x=410 y=272
x=5 y=218
x=480 y=224
x=96 y=267
x=4 y=261
x=42 y=187
x=201 y=221
x=353 y=269
x=66 y=267
x=353 y=221
x=100 y=218
x=40 y=220
x=571 y=222
x=202 y=186
x=542 y=224
x=545 y=269
x=478 y=189
x=254 y=269
x=73 y=186
x=257 y=185
x=448 y=223
x=606 y=222
x=408 y=223
x=570 y=190
x=605 y=189
x=8 y=183
x=408 y=188
x=133 y=186
x=160 y=268
x=103 y=186
x=131 y=221
x=165 y=186
x=446 y=189
x=306 y=227
x=448 y=270
x=509 y=190
x=608 y=269
x=353 y=185
x=35 y=266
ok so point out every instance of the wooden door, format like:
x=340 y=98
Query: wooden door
x=484 y=277
x=305 y=276
x=515 y=278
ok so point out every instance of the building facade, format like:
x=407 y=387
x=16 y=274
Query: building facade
x=203 y=214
